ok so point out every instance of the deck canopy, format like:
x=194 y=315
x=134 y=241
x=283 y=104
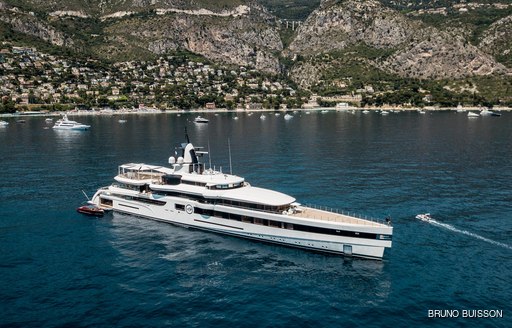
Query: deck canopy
x=255 y=195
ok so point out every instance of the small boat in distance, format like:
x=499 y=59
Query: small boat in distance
x=472 y=114
x=91 y=210
x=49 y=120
x=288 y=117
x=122 y=121
x=485 y=112
x=4 y=123
x=65 y=124
x=201 y=120
x=263 y=116
x=424 y=217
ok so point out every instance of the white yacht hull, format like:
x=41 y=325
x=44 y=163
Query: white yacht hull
x=74 y=128
x=344 y=245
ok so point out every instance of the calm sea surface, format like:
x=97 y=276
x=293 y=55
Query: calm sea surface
x=60 y=268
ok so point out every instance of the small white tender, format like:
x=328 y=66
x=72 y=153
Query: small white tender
x=424 y=217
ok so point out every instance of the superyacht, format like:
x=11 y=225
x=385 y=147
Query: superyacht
x=67 y=124
x=185 y=193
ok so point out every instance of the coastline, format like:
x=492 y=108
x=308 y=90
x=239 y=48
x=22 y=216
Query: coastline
x=240 y=110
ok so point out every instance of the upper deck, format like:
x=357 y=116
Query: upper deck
x=317 y=214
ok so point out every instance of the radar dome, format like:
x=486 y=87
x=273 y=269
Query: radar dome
x=180 y=160
x=172 y=160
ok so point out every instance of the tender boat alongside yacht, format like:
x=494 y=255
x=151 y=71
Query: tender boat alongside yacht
x=90 y=210
x=187 y=194
x=65 y=124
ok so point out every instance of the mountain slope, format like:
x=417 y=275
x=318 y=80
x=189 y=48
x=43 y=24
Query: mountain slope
x=338 y=42
x=497 y=41
x=408 y=47
x=229 y=31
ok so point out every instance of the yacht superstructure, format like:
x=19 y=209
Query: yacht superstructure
x=188 y=194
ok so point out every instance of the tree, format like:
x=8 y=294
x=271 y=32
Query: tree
x=8 y=106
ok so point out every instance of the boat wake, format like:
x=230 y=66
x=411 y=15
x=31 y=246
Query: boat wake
x=467 y=233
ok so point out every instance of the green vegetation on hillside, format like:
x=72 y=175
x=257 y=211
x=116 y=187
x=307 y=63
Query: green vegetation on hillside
x=476 y=20
x=291 y=9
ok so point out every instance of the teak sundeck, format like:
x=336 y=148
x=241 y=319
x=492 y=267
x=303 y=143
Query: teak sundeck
x=188 y=194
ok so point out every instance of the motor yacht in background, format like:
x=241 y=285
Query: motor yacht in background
x=65 y=124
x=200 y=120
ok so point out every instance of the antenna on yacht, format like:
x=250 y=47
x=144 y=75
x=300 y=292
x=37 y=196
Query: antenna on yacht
x=230 y=166
x=209 y=155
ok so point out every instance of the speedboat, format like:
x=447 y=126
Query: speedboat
x=65 y=124
x=188 y=194
x=472 y=114
x=122 y=121
x=90 y=210
x=263 y=116
x=288 y=117
x=200 y=119
x=49 y=120
x=424 y=217
x=4 y=123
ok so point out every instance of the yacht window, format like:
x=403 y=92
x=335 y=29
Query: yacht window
x=180 y=207
x=246 y=219
x=274 y=224
x=171 y=179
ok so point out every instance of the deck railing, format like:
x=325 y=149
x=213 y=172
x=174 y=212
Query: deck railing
x=346 y=214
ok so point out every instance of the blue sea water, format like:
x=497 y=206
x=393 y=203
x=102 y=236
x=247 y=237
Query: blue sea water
x=60 y=268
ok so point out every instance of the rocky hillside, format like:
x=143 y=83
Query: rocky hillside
x=233 y=32
x=397 y=44
x=340 y=38
x=497 y=40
